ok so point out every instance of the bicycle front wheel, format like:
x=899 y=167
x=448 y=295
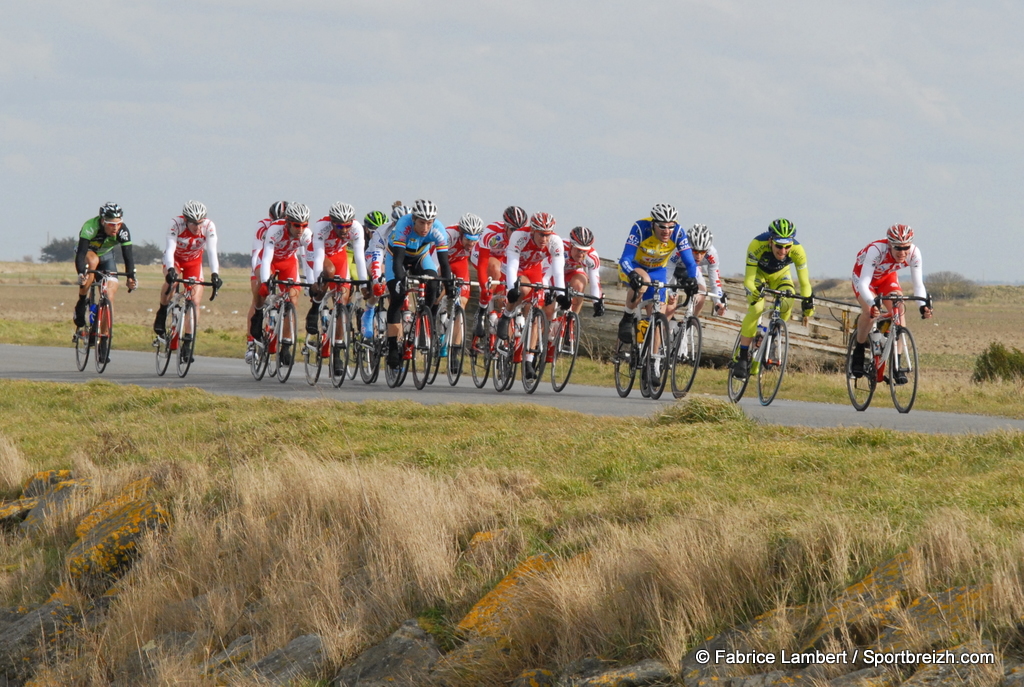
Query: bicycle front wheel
x=313 y=349
x=624 y=364
x=658 y=356
x=564 y=350
x=438 y=344
x=83 y=337
x=535 y=349
x=735 y=386
x=163 y=344
x=480 y=359
x=104 y=334
x=686 y=356
x=903 y=370
x=339 y=345
x=774 y=355
x=286 y=342
x=352 y=324
x=422 y=347
x=861 y=389
x=186 y=339
x=456 y=346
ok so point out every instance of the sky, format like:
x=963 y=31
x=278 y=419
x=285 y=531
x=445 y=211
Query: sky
x=843 y=117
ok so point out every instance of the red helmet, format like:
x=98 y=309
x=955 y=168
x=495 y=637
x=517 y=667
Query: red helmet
x=515 y=217
x=900 y=234
x=543 y=222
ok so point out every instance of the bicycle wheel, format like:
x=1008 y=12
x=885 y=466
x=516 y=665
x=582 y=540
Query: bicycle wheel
x=186 y=339
x=163 y=343
x=422 y=347
x=564 y=350
x=438 y=342
x=659 y=358
x=734 y=385
x=480 y=359
x=286 y=342
x=104 y=322
x=352 y=325
x=535 y=349
x=456 y=346
x=861 y=389
x=82 y=338
x=504 y=368
x=624 y=363
x=903 y=369
x=339 y=344
x=313 y=349
x=686 y=356
x=775 y=353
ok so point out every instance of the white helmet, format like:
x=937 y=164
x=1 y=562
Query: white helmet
x=194 y=211
x=425 y=210
x=297 y=212
x=700 y=237
x=471 y=226
x=663 y=212
x=342 y=213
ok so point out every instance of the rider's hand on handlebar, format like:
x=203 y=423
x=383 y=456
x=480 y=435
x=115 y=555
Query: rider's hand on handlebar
x=216 y=281
x=264 y=289
x=563 y=301
x=926 y=312
x=171 y=275
x=599 y=307
x=132 y=284
x=636 y=282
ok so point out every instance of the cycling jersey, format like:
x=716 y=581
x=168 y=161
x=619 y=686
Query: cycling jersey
x=257 y=243
x=187 y=246
x=523 y=255
x=589 y=264
x=761 y=262
x=418 y=249
x=709 y=263
x=326 y=242
x=456 y=248
x=93 y=238
x=375 y=249
x=876 y=262
x=279 y=247
x=643 y=249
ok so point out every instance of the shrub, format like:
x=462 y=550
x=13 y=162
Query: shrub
x=59 y=250
x=946 y=286
x=999 y=362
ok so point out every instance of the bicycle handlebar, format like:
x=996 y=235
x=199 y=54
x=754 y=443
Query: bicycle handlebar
x=195 y=282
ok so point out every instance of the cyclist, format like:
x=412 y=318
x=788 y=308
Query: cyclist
x=283 y=246
x=874 y=274
x=651 y=243
x=96 y=243
x=705 y=255
x=373 y=225
x=276 y=212
x=583 y=268
x=409 y=251
x=490 y=258
x=536 y=256
x=331 y=236
x=463 y=239
x=768 y=259
x=189 y=235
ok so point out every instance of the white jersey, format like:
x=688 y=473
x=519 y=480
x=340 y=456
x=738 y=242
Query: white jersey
x=184 y=245
x=875 y=261
x=257 y=242
x=278 y=246
x=523 y=253
x=375 y=249
x=712 y=284
x=326 y=242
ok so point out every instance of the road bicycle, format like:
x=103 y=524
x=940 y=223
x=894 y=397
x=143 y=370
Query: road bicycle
x=333 y=339
x=890 y=358
x=369 y=350
x=647 y=351
x=180 y=337
x=98 y=331
x=527 y=343
x=564 y=340
x=417 y=339
x=482 y=347
x=768 y=353
x=274 y=351
x=687 y=338
x=451 y=328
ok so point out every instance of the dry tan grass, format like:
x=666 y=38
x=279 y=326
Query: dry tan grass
x=14 y=468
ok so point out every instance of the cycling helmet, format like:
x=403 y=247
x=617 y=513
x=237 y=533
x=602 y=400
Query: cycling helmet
x=515 y=217
x=297 y=212
x=899 y=235
x=425 y=210
x=581 y=237
x=111 y=211
x=375 y=219
x=399 y=211
x=543 y=222
x=277 y=209
x=194 y=211
x=700 y=237
x=663 y=212
x=342 y=213
x=471 y=226
x=782 y=231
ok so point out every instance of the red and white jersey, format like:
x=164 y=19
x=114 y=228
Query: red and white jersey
x=257 y=242
x=278 y=246
x=184 y=245
x=713 y=284
x=523 y=254
x=876 y=261
x=326 y=242
x=456 y=248
x=494 y=240
x=590 y=264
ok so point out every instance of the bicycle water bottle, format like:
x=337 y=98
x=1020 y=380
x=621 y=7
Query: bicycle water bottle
x=92 y=313
x=407 y=318
x=492 y=320
x=641 y=330
x=759 y=337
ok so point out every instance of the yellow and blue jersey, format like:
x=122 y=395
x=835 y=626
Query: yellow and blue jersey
x=643 y=249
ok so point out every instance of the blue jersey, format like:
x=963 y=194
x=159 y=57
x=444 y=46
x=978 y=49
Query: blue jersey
x=643 y=249
x=416 y=246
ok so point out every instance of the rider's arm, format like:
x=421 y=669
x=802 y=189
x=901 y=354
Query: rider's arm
x=917 y=272
x=442 y=261
x=211 y=247
x=268 y=257
x=512 y=263
x=124 y=237
x=556 y=258
x=358 y=244
x=629 y=251
x=171 y=245
x=594 y=274
x=714 y=276
x=81 y=265
x=686 y=255
x=872 y=256
x=803 y=274
x=750 y=273
x=319 y=252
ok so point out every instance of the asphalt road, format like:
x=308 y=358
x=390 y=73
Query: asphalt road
x=230 y=376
